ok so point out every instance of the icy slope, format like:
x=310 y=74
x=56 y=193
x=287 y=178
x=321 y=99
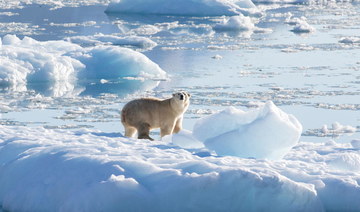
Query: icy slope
x=267 y=132
x=55 y=170
x=46 y=170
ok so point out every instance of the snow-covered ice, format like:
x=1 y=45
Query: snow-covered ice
x=54 y=4
x=135 y=41
x=235 y=23
x=77 y=159
x=350 y=40
x=267 y=132
x=185 y=7
x=62 y=65
x=54 y=170
x=301 y=25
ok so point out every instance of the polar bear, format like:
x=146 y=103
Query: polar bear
x=144 y=114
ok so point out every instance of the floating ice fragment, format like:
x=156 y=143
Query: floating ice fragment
x=217 y=57
x=350 y=40
x=266 y=132
x=136 y=41
x=302 y=26
x=337 y=128
x=235 y=23
x=55 y=68
x=185 y=7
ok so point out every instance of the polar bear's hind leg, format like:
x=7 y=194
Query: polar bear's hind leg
x=144 y=131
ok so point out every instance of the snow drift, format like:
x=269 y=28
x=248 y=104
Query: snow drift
x=54 y=170
x=185 y=7
x=57 y=170
x=267 y=132
x=58 y=66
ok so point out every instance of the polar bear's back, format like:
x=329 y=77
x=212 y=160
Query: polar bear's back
x=143 y=110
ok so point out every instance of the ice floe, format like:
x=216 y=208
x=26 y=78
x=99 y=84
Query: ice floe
x=96 y=171
x=350 y=40
x=186 y=7
x=57 y=67
x=53 y=4
x=246 y=134
x=235 y=23
x=134 y=41
x=301 y=25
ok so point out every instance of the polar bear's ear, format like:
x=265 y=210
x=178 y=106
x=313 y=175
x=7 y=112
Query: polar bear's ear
x=189 y=95
x=173 y=94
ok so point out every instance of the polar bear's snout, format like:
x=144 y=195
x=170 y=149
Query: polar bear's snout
x=182 y=96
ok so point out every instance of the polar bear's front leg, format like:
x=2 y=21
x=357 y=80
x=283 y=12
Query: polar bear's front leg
x=167 y=129
x=178 y=125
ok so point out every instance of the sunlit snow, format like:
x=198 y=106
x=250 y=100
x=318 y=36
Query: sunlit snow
x=273 y=123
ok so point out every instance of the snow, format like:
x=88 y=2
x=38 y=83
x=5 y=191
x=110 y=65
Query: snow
x=59 y=170
x=62 y=65
x=54 y=4
x=337 y=128
x=350 y=40
x=186 y=7
x=247 y=134
x=235 y=23
x=98 y=39
x=301 y=25
x=233 y=160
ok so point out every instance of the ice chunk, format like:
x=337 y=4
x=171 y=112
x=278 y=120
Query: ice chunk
x=55 y=68
x=136 y=41
x=301 y=25
x=267 y=132
x=350 y=40
x=185 y=7
x=235 y=23
x=338 y=129
x=120 y=62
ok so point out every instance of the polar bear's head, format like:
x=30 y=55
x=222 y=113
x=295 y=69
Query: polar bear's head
x=181 y=99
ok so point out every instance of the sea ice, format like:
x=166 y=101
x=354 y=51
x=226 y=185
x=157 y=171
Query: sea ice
x=235 y=23
x=52 y=170
x=59 y=66
x=185 y=7
x=266 y=132
x=184 y=139
x=337 y=128
x=58 y=170
x=54 y=4
x=350 y=40
x=135 y=41
x=301 y=25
